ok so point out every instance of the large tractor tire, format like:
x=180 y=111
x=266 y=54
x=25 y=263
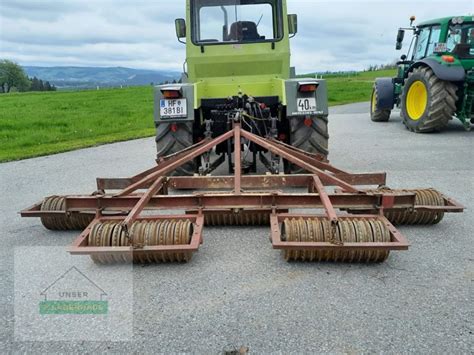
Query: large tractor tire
x=377 y=115
x=172 y=138
x=312 y=137
x=427 y=103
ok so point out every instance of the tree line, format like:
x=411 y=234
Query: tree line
x=13 y=78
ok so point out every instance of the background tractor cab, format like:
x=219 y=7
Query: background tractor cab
x=435 y=80
x=238 y=65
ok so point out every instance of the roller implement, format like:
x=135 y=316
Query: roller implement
x=128 y=224
x=238 y=104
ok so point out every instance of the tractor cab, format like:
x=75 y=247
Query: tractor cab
x=449 y=39
x=234 y=45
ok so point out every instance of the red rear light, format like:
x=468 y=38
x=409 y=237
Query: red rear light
x=308 y=87
x=448 y=58
x=308 y=121
x=171 y=94
x=282 y=137
x=174 y=128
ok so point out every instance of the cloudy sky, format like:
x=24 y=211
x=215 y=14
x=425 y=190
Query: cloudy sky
x=333 y=35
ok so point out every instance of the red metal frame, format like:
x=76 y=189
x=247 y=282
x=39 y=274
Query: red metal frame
x=263 y=194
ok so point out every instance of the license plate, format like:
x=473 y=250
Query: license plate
x=173 y=108
x=307 y=105
x=440 y=48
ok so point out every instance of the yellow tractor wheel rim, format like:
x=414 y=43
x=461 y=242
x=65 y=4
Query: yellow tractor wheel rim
x=417 y=100
x=374 y=102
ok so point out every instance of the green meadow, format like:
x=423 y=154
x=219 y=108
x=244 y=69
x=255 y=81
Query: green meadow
x=36 y=124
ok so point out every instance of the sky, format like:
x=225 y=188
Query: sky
x=333 y=35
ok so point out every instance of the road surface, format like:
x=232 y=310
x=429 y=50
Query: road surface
x=237 y=291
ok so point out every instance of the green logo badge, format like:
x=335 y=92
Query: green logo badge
x=73 y=293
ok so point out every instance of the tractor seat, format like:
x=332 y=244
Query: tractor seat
x=244 y=31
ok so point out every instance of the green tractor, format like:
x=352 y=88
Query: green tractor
x=238 y=62
x=435 y=79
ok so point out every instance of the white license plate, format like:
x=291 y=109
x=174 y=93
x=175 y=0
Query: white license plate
x=173 y=108
x=307 y=105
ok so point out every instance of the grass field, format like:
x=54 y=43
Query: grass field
x=353 y=88
x=35 y=124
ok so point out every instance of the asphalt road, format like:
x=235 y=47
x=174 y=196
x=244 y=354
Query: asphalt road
x=237 y=291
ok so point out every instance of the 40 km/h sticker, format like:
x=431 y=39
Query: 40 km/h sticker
x=306 y=105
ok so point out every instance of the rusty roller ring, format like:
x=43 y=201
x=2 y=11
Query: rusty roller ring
x=98 y=239
x=349 y=238
x=169 y=238
x=138 y=256
x=236 y=219
x=180 y=240
x=384 y=237
x=311 y=254
x=303 y=237
x=352 y=238
x=424 y=216
x=368 y=238
x=377 y=238
x=188 y=230
x=47 y=221
x=436 y=200
x=146 y=241
x=107 y=242
x=289 y=237
x=154 y=238
x=358 y=238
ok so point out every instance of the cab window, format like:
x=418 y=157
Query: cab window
x=422 y=43
x=434 y=39
x=461 y=40
x=235 y=21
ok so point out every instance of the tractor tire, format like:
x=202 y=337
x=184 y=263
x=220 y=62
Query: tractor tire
x=312 y=139
x=427 y=103
x=172 y=138
x=377 y=115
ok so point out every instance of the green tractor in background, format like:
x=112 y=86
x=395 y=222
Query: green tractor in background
x=238 y=62
x=435 y=79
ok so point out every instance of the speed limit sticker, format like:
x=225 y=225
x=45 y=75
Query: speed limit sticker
x=307 y=105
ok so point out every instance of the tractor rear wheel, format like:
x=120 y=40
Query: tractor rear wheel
x=377 y=115
x=310 y=135
x=172 y=138
x=427 y=103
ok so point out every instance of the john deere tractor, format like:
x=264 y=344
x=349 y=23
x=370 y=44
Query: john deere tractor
x=435 y=79
x=238 y=62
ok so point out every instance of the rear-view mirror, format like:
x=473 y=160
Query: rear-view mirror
x=400 y=37
x=292 y=24
x=180 y=28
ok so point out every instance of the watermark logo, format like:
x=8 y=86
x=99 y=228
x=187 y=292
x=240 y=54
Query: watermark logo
x=73 y=293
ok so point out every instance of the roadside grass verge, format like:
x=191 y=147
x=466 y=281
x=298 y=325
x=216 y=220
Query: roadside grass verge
x=36 y=124
x=351 y=88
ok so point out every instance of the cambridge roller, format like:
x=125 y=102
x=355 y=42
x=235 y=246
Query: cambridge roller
x=142 y=234
x=345 y=231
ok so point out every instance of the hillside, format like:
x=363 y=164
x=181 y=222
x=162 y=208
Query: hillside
x=91 y=77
